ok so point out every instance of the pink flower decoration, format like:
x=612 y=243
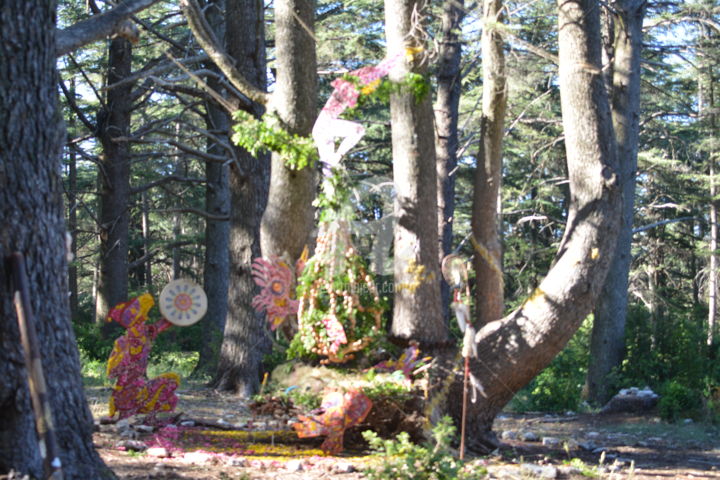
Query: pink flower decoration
x=335 y=332
x=274 y=277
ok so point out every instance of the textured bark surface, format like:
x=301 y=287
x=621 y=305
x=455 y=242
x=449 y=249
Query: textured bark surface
x=513 y=350
x=288 y=223
x=607 y=342
x=489 y=296
x=217 y=202
x=416 y=313
x=31 y=212
x=113 y=120
x=244 y=339
x=446 y=129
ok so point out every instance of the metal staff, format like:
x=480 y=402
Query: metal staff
x=36 y=379
x=455 y=273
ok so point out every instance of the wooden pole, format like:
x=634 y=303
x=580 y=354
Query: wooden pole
x=36 y=379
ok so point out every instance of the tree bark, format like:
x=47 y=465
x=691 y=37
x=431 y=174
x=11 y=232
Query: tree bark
x=244 y=339
x=447 y=106
x=416 y=313
x=31 y=212
x=72 y=230
x=113 y=121
x=98 y=26
x=513 y=350
x=607 y=342
x=489 y=296
x=288 y=221
x=217 y=232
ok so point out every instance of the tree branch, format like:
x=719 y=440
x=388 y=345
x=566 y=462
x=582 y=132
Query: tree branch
x=75 y=108
x=204 y=36
x=197 y=211
x=160 y=181
x=140 y=261
x=661 y=222
x=97 y=27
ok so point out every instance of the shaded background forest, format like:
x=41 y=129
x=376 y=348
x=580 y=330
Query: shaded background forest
x=170 y=144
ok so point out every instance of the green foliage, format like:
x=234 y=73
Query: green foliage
x=379 y=93
x=402 y=459
x=93 y=371
x=584 y=469
x=393 y=386
x=333 y=200
x=669 y=351
x=678 y=401
x=558 y=387
x=268 y=134
x=90 y=341
x=182 y=363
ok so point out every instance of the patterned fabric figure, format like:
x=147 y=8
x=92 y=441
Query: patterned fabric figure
x=338 y=412
x=329 y=126
x=274 y=277
x=408 y=362
x=133 y=392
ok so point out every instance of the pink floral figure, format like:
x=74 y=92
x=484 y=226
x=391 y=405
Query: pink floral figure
x=338 y=412
x=275 y=278
x=329 y=126
x=335 y=332
x=133 y=393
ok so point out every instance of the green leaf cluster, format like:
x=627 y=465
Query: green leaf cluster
x=401 y=459
x=267 y=134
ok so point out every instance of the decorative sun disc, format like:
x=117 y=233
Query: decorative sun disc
x=183 y=302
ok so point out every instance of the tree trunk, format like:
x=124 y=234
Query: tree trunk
x=217 y=232
x=713 y=214
x=288 y=221
x=515 y=349
x=607 y=344
x=416 y=313
x=446 y=130
x=244 y=339
x=713 y=269
x=113 y=121
x=72 y=230
x=31 y=212
x=489 y=296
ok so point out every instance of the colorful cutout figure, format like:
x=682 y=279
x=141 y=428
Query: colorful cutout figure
x=275 y=279
x=330 y=126
x=338 y=412
x=408 y=362
x=133 y=393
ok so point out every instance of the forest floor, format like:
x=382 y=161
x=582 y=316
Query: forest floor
x=534 y=446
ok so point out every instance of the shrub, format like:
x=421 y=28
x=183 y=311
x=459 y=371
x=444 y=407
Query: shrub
x=558 y=387
x=678 y=401
x=401 y=459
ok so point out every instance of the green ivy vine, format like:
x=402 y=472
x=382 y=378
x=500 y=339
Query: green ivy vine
x=267 y=134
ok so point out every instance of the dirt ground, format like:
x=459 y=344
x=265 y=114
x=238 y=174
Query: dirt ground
x=221 y=438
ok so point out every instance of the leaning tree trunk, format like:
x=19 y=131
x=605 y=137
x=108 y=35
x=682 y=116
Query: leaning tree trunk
x=31 y=214
x=289 y=217
x=515 y=349
x=113 y=121
x=607 y=343
x=244 y=340
x=489 y=296
x=447 y=105
x=416 y=313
